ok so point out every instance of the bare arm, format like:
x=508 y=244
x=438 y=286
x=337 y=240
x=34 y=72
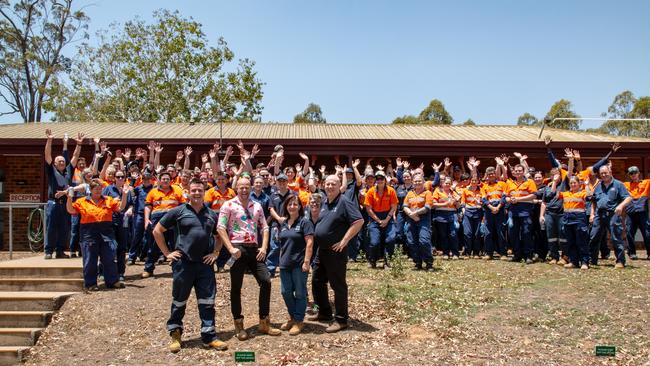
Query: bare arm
x=186 y=162
x=77 y=149
x=48 y=146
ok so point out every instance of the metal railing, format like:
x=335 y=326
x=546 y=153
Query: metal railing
x=11 y=206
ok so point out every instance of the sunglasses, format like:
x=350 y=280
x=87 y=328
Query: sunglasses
x=119 y=177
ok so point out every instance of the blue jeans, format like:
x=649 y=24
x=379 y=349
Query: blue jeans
x=418 y=239
x=382 y=239
x=273 y=258
x=200 y=276
x=100 y=248
x=293 y=286
x=74 y=233
x=57 y=226
x=140 y=238
x=521 y=236
x=495 y=239
x=637 y=221
x=471 y=231
x=605 y=221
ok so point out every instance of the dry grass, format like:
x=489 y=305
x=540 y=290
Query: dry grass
x=467 y=312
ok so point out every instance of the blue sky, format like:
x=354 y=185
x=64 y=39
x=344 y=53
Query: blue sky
x=371 y=61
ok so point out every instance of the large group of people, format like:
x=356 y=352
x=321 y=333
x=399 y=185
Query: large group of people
x=268 y=219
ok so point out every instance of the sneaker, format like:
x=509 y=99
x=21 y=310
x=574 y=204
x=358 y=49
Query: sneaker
x=529 y=261
x=336 y=327
x=146 y=274
x=48 y=256
x=633 y=257
x=216 y=344
x=584 y=267
x=175 y=345
x=570 y=266
x=619 y=265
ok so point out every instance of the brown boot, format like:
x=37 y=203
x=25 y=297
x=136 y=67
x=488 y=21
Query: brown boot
x=240 y=332
x=265 y=327
x=288 y=325
x=296 y=328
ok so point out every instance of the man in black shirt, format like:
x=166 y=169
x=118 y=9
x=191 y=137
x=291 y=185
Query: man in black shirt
x=339 y=221
x=192 y=264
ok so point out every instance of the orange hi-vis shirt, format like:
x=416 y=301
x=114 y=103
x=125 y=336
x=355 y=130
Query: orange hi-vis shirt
x=77 y=177
x=186 y=191
x=381 y=202
x=523 y=189
x=494 y=192
x=296 y=184
x=638 y=189
x=303 y=196
x=416 y=201
x=92 y=212
x=439 y=196
x=574 y=202
x=216 y=198
x=163 y=201
x=471 y=199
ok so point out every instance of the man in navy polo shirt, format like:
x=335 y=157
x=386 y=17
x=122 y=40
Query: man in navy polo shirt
x=277 y=215
x=338 y=223
x=610 y=199
x=192 y=262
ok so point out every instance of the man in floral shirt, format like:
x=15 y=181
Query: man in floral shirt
x=239 y=219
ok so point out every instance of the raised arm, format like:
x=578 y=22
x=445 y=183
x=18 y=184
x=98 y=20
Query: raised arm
x=596 y=167
x=186 y=162
x=214 y=158
x=48 y=146
x=77 y=149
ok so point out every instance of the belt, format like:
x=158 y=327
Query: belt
x=577 y=210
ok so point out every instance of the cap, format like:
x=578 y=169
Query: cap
x=146 y=175
x=380 y=173
x=282 y=176
x=456 y=168
x=349 y=170
x=633 y=169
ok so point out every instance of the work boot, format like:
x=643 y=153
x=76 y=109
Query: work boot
x=634 y=257
x=335 y=327
x=288 y=325
x=584 y=266
x=319 y=318
x=553 y=261
x=61 y=255
x=146 y=274
x=240 y=332
x=216 y=344
x=487 y=257
x=504 y=258
x=569 y=266
x=296 y=328
x=619 y=265
x=266 y=328
x=561 y=262
x=175 y=346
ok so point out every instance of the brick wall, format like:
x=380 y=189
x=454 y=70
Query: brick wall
x=22 y=175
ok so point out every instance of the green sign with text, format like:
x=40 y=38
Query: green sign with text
x=244 y=356
x=605 y=351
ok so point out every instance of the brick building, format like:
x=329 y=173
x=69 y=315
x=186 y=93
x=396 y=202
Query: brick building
x=22 y=163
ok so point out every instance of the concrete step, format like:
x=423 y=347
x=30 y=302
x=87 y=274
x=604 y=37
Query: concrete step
x=40 y=272
x=41 y=284
x=19 y=336
x=32 y=300
x=25 y=319
x=11 y=355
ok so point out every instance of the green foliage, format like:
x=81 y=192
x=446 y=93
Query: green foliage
x=33 y=35
x=160 y=72
x=563 y=109
x=311 y=114
x=435 y=113
x=469 y=122
x=406 y=120
x=527 y=119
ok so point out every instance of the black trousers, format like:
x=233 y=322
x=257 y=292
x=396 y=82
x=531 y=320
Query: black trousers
x=261 y=273
x=331 y=266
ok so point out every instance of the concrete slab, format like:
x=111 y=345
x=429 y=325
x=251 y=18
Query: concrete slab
x=40 y=262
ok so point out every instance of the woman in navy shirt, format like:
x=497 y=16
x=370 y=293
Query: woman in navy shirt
x=296 y=242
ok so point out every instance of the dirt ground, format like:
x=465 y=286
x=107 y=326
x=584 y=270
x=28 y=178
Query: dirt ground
x=467 y=312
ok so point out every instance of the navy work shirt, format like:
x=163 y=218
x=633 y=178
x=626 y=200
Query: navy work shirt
x=58 y=181
x=194 y=230
x=293 y=242
x=277 y=199
x=335 y=219
x=607 y=197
